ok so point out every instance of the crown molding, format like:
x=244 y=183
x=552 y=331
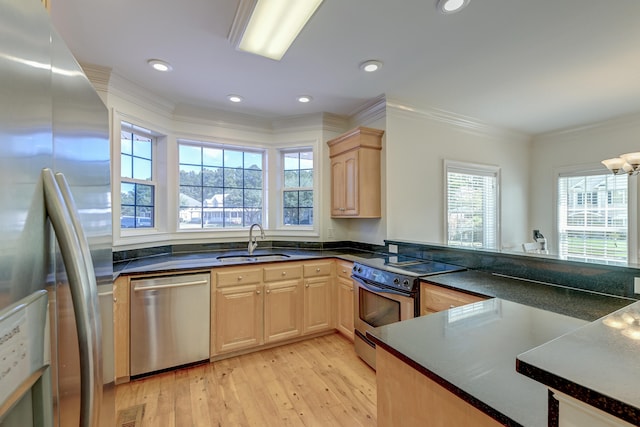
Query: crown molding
x=334 y=123
x=468 y=124
x=129 y=91
x=371 y=111
x=625 y=121
x=98 y=75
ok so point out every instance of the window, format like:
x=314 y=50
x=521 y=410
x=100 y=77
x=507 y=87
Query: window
x=297 y=194
x=593 y=217
x=137 y=186
x=472 y=205
x=220 y=187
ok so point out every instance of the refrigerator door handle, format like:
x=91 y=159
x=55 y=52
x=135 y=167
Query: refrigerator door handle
x=82 y=281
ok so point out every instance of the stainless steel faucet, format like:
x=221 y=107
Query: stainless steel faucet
x=253 y=241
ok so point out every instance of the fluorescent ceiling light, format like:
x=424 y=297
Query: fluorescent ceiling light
x=268 y=27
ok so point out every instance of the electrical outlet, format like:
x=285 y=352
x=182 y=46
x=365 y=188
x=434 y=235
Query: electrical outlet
x=393 y=249
x=330 y=233
x=636 y=285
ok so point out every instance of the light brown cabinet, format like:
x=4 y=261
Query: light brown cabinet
x=283 y=302
x=408 y=398
x=435 y=298
x=317 y=297
x=355 y=173
x=121 y=322
x=238 y=319
x=345 y=299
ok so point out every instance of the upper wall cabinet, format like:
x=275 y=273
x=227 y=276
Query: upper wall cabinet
x=355 y=173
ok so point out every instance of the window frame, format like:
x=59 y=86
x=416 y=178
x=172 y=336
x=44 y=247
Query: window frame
x=632 y=208
x=480 y=170
x=282 y=152
x=129 y=126
x=223 y=146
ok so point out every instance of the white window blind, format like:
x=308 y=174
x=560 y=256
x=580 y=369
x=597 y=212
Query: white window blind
x=472 y=205
x=593 y=217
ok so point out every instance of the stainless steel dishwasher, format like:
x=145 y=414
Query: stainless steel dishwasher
x=169 y=321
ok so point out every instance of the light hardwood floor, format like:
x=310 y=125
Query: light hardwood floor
x=318 y=382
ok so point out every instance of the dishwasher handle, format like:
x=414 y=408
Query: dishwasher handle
x=152 y=286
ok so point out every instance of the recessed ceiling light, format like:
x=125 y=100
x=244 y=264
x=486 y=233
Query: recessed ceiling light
x=451 y=6
x=160 y=65
x=235 y=98
x=304 y=99
x=371 y=66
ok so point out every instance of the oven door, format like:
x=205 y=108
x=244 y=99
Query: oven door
x=376 y=306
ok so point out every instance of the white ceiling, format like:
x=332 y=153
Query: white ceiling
x=526 y=65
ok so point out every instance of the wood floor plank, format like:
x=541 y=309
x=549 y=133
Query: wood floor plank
x=318 y=382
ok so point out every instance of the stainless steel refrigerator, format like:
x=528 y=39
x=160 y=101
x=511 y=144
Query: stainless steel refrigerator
x=52 y=118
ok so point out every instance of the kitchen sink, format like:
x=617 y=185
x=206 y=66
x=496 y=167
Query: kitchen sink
x=253 y=258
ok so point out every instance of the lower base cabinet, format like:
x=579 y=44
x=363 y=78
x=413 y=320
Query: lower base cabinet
x=282 y=310
x=238 y=319
x=317 y=305
x=408 y=398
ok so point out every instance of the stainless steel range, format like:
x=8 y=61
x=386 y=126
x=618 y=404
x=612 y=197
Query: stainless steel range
x=388 y=291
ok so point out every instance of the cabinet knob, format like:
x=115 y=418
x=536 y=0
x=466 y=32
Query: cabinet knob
x=268 y=291
x=344 y=271
x=306 y=286
x=239 y=278
x=284 y=273
x=258 y=292
x=318 y=270
x=452 y=306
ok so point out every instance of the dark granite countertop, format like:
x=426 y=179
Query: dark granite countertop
x=472 y=353
x=192 y=261
x=598 y=364
x=572 y=302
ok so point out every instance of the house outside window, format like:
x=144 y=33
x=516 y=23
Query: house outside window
x=220 y=186
x=471 y=205
x=137 y=184
x=593 y=212
x=297 y=189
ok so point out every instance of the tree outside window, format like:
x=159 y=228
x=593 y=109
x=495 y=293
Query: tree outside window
x=137 y=186
x=220 y=187
x=297 y=194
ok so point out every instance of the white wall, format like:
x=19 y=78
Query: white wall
x=418 y=142
x=414 y=147
x=581 y=147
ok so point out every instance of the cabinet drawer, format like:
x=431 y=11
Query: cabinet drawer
x=343 y=269
x=435 y=298
x=238 y=276
x=282 y=271
x=317 y=269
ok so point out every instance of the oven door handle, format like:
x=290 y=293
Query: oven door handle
x=377 y=289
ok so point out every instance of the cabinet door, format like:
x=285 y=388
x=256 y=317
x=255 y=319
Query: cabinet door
x=317 y=305
x=345 y=307
x=437 y=298
x=338 y=186
x=238 y=317
x=351 y=184
x=344 y=185
x=282 y=310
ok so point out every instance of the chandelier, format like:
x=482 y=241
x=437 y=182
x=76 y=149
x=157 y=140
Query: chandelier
x=625 y=164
